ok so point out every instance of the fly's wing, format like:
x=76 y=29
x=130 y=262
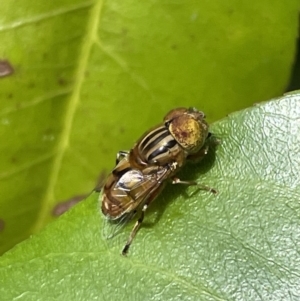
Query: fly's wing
x=111 y=228
x=132 y=197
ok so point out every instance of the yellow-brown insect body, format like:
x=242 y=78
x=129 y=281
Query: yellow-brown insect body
x=141 y=173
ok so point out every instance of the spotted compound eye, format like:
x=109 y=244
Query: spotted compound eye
x=189 y=128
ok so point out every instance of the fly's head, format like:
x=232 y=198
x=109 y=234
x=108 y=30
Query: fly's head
x=188 y=127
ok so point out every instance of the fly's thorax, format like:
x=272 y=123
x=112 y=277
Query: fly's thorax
x=188 y=127
x=161 y=172
x=157 y=147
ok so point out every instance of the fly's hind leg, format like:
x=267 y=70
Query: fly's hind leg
x=153 y=194
x=134 y=230
x=193 y=183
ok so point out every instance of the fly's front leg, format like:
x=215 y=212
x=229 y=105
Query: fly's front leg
x=211 y=141
x=193 y=183
x=121 y=155
x=197 y=157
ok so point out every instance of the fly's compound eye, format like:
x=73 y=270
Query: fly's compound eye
x=189 y=132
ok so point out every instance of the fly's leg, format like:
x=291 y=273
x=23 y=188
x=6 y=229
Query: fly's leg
x=153 y=194
x=211 y=141
x=134 y=230
x=121 y=155
x=193 y=183
x=197 y=157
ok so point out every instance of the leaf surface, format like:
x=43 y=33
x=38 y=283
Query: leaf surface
x=87 y=78
x=242 y=244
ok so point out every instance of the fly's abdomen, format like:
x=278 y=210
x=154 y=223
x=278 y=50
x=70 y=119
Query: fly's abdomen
x=118 y=197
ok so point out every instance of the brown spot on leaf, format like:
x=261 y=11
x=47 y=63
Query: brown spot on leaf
x=31 y=85
x=14 y=160
x=6 y=68
x=62 y=81
x=64 y=206
x=192 y=37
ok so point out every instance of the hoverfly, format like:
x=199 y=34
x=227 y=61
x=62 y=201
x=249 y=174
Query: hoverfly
x=141 y=173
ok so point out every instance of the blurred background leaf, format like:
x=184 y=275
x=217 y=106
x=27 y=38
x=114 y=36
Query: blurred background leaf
x=242 y=244
x=81 y=80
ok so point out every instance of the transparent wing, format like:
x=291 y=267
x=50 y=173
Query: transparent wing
x=112 y=228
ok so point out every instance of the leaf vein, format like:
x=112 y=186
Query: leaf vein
x=63 y=144
x=26 y=166
x=35 y=101
x=120 y=62
x=48 y=15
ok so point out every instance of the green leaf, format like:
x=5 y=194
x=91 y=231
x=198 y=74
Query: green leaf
x=88 y=77
x=242 y=244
